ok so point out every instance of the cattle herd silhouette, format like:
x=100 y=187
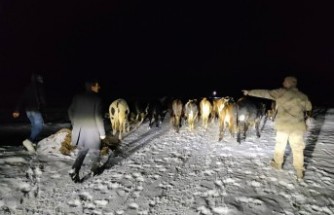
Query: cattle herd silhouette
x=235 y=116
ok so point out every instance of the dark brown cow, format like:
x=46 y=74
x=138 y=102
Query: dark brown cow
x=249 y=114
x=239 y=116
x=156 y=112
x=138 y=111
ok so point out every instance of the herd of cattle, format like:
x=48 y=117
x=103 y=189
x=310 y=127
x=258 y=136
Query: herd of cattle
x=236 y=116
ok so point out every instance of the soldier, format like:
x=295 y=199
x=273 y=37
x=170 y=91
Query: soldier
x=290 y=123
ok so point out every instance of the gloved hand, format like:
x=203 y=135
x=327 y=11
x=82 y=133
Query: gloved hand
x=245 y=92
x=102 y=137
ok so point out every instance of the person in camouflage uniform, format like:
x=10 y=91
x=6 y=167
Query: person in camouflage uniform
x=290 y=122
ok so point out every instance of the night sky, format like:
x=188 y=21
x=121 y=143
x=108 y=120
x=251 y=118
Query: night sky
x=176 y=48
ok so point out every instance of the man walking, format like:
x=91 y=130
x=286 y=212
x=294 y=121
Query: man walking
x=32 y=100
x=87 y=127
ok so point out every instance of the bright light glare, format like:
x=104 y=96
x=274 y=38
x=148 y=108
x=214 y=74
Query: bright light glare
x=241 y=117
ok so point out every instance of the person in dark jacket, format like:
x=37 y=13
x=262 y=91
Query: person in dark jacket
x=87 y=127
x=33 y=101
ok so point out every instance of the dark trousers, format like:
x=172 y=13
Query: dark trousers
x=95 y=156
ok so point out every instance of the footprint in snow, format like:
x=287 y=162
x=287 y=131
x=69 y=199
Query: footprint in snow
x=25 y=188
x=327 y=180
x=207 y=172
x=101 y=202
x=229 y=181
x=74 y=203
x=56 y=176
x=254 y=183
x=253 y=203
x=315 y=209
x=85 y=196
x=287 y=185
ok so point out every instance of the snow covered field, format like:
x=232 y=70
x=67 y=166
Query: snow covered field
x=162 y=172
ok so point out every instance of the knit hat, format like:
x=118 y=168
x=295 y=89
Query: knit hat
x=291 y=80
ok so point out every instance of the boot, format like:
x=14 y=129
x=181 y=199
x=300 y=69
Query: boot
x=74 y=175
x=96 y=169
x=29 y=145
x=275 y=165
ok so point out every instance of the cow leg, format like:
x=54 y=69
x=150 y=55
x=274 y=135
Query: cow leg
x=241 y=131
x=205 y=122
x=239 y=134
x=233 y=129
x=127 y=126
x=113 y=127
x=173 y=121
x=245 y=131
x=195 y=121
x=238 y=138
x=257 y=128
x=150 y=122
x=121 y=128
x=177 y=124
x=221 y=130
x=157 y=120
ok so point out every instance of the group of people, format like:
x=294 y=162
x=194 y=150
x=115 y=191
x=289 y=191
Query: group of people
x=85 y=114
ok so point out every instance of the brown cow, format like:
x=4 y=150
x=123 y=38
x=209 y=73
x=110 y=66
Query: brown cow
x=205 y=111
x=191 y=113
x=177 y=108
x=214 y=112
x=227 y=115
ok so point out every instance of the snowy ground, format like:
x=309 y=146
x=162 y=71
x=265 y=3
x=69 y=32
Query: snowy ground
x=165 y=173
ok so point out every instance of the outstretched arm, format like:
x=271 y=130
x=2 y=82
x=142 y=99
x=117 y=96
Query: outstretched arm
x=266 y=94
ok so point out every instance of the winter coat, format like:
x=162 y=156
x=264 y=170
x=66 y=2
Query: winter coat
x=86 y=118
x=291 y=107
x=33 y=98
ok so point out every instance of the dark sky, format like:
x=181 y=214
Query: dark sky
x=150 y=47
